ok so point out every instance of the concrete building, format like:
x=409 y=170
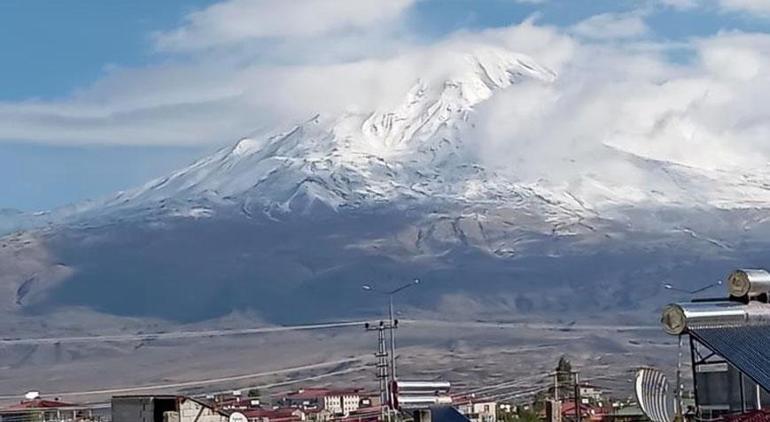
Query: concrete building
x=336 y=402
x=342 y=402
x=590 y=393
x=164 y=409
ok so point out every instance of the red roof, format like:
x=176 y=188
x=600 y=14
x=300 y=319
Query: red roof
x=755 y=416
x=317 y=393
x=568 y=408
x=364 y=414
x=38 y=404
x=287 y=414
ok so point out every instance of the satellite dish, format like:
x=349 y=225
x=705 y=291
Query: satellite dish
x=654 y=395
x=32 y=395
x=238 y=417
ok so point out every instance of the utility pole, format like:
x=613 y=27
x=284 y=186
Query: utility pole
x=391 y=326
x=578 y=415
x=556 y=386
x=553 y=406
x=386 y=401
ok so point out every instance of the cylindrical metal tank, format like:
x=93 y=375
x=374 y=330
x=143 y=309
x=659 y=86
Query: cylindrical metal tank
x=679 y=317
x=423 y=385
x=421 y=402
x=749 y=282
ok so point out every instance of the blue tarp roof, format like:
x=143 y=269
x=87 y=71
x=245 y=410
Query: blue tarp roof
x=446 y=414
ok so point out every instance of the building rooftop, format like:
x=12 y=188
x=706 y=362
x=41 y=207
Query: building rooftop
x=283 y=413
x=39 y=404
x=316 y=393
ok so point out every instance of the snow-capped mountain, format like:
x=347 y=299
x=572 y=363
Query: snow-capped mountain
x=424 y=150
x=411 y=152
x=274 y=221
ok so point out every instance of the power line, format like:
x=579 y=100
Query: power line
x=294 y=381
x=121 y=390
x=174 y=335
x=515 y=382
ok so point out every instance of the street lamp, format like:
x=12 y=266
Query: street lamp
x=393 y=323
x=669 y=286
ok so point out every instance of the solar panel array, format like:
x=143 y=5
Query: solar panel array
x=746 y=348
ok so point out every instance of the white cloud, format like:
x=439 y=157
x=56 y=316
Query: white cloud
x=612 y=26
x=214 y=98
x=753 y=6
x=237 y=21
x=681 y=4
x=614 y=102
x=623 y=97
x=756 y=8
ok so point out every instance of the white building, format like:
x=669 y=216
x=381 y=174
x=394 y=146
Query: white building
x=483 y=411
x=191 y=410
x=336 y=402
x=342 y=402
x=590 y=393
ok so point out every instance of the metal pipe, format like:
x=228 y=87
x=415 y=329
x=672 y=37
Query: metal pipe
x=679 y=410
x=742 y=392
x=392 y=340
x=694 y=376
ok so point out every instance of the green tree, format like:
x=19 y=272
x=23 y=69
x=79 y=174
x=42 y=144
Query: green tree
x=526 y=416
x=538 y=403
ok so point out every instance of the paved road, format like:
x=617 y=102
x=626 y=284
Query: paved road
x=326 y=326
x=531 y=325
x=208 y=381
x=176 y=334
x=298 y=380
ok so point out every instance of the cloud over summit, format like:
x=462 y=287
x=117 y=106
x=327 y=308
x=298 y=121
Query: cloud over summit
x=262 y=65
x=237 y=21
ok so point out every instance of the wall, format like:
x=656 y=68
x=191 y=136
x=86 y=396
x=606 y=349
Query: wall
x=342 y=404
x=132 y=409
x=192 y=411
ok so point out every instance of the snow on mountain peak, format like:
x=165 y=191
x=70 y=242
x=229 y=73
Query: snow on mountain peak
x=411 y=150
x=489 y=69
x=432 y=105
x=416 y=152
x=246 y=146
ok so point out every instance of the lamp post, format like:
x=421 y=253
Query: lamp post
x=390 y=294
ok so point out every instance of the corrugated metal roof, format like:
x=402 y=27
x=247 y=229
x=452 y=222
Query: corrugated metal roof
x=746 y=348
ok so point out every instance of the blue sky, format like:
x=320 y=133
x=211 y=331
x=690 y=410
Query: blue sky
x=142 y=77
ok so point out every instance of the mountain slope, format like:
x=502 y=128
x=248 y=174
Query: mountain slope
x=290 y=225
